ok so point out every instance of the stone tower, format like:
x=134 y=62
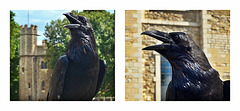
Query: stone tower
x=33 y=72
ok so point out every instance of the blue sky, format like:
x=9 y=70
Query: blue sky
x=40 y=18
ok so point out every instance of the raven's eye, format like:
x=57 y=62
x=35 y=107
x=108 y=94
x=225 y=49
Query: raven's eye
x=175 y=37
x=83 y=20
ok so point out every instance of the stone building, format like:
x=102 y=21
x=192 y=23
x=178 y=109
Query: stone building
x=147 y=73
x=33 y=73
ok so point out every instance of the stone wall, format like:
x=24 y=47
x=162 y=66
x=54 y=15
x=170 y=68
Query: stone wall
x=133 y=56
x=25 y=75
x=43 y=75
x=217 y=40
x=172 y=15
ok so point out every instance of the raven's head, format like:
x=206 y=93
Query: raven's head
x=177 y=46
x=79 y=25
x=174 y=44
x=82 y=36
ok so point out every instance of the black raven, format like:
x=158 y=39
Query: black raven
x=77 y=75
x=193 y=77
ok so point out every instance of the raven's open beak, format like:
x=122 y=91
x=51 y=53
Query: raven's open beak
x=72 y=18
x=162 y=36
x=72 y=26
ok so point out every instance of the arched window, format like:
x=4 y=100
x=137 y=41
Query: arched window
x=45 y=65
x=42 y=65
x=43 y=85
x=22 y=70
x=29 y=97
x=163 y=70
x=29 y=85
x=166 y=75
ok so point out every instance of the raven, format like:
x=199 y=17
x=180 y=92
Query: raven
x=193 y=77
x=77 y=75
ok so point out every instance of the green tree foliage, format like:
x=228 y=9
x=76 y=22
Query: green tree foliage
x=14 y=58
x=103 y=25
x=58 y=39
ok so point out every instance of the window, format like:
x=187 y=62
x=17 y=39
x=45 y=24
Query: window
x=29 y=97
x=22 y=70
x=45 y=65
x=166 y=76
x=29 y=85
x=42 y=65
x=43 y=85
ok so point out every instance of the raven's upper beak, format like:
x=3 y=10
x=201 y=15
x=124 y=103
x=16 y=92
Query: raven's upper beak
x=162 y=36
x=158 y=35
x=72 y=26
x=72 y=18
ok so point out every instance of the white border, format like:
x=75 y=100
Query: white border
x=120 y=7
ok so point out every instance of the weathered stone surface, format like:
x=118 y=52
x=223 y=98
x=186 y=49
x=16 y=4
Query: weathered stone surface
x=218 y=40
x=173 y=15
x=133 y=54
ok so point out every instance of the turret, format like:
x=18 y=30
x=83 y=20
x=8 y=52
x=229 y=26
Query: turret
x=28 y=39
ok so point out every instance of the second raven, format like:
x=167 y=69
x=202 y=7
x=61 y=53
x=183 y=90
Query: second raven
x=79 y=73
x=193 y=78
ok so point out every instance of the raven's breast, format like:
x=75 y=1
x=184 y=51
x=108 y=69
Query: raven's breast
x=81 y=79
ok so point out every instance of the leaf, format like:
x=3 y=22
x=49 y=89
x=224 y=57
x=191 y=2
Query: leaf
x=14 y=58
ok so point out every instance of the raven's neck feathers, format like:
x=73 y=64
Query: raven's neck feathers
x=198 y=55
x=79 y=47
x=188 y=73
x=92 y=37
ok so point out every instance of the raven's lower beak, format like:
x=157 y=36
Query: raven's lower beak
x=72 y=26
x=157 y=47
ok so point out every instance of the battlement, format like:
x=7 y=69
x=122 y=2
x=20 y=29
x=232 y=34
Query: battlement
x=28 y=39
x=28 y=30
